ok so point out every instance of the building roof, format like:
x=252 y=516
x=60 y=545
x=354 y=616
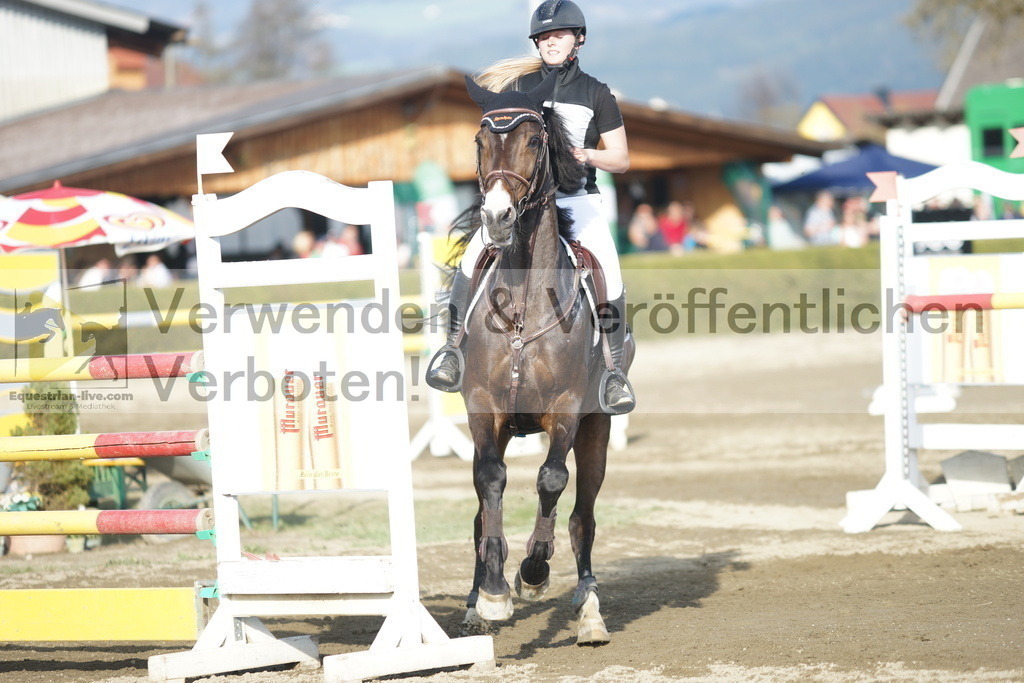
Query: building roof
x=858 y=113
x=123 y=25
x=116 y=129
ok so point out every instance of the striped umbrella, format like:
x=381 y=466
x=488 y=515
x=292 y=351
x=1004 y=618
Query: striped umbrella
x=60 y=217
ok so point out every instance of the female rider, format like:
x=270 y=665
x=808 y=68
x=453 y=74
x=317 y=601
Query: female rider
x=558 y=30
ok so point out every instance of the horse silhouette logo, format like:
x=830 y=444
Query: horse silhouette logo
x=37 y=324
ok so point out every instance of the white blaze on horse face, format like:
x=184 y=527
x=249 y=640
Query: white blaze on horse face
x=497 y=200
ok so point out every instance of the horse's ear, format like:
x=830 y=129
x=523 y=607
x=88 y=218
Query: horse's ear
x=480 y=95
x=545 y=89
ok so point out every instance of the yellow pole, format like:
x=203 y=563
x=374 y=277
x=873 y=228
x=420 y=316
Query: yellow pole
x=48 y=523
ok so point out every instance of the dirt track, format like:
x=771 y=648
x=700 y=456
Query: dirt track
x=719 y=555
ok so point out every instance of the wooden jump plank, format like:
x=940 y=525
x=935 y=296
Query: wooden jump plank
x=95 y=614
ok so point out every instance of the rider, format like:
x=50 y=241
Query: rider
x=590 y=113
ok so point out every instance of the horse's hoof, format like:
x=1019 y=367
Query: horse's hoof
x=530 y=592
x=592 y=632
x=494 y=607
x=590 y=629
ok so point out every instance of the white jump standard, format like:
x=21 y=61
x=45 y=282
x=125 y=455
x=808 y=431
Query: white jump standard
x=253 y=456
x=902 y=485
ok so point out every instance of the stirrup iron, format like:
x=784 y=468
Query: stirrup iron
x=460 y=360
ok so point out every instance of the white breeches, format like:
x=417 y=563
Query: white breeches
x=589 y=227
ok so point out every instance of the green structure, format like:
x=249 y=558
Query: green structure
x=990 y=111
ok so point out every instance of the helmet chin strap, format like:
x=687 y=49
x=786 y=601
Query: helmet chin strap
x=572 y=53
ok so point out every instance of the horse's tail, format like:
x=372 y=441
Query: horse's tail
x=503 y=74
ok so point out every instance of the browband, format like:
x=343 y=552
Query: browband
x=504 y=120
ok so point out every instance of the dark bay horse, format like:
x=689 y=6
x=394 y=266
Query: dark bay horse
x=532 y=359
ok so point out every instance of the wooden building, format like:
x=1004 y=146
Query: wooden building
x=57 y=51
x=353 y=130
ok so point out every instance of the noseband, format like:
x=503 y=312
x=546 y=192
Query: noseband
x=504 y=120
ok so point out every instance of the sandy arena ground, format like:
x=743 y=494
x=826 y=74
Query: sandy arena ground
x=722 y=558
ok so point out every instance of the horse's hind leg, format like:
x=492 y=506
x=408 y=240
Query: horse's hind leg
x=591 y=451
x=491 y=598
x=533 y=576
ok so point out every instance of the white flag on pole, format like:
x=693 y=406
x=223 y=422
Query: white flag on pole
x=210 y=153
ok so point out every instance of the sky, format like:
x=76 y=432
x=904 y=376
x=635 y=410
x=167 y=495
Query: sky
x=698 y=55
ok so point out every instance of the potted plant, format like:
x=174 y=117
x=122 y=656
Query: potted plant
x=56 y=484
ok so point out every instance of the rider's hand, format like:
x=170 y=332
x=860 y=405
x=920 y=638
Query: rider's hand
x=582 y=155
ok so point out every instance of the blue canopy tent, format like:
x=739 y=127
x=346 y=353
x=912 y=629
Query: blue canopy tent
x=850 y=175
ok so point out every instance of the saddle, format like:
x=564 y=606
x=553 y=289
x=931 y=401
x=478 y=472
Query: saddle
x=581 y=257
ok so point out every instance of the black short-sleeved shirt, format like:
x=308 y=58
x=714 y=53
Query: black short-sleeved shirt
x=585 y=104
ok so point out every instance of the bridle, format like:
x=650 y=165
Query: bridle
x=535 y=196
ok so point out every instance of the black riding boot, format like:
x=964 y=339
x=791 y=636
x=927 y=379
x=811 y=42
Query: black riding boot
x=617 y=392
x=445 y=373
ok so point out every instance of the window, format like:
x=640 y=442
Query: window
x=992 y=142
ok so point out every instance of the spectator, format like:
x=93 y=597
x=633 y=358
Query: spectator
x=853 y=229
x=820 y=223
x=781 y=234
x=341 y=240
x=303 y=244
x=350 y=238
x=982 y=209
x=644 y=233
x=127 y=270
x=98 y=274
x=674 y=226
x=277 y=253
x=155 y=274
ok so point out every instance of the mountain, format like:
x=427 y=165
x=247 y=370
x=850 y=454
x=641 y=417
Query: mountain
x=698 y=55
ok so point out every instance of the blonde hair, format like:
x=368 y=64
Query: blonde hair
x=502 y=75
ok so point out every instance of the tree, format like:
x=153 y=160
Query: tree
x=947 y=20
x=771 y=97
x=280 y=39
x=205 y=52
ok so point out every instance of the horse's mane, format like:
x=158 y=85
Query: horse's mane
x=569 y=174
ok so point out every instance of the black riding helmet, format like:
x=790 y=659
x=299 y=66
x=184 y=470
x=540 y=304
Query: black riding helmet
x=553 y=15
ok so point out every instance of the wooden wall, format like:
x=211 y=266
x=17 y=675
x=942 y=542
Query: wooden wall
x=383 y=142
x=388 y=140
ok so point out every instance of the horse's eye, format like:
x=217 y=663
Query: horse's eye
x=534 y=142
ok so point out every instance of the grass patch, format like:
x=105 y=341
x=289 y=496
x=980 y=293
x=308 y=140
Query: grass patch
x=842 y=258
x=191 y=557
x=364 y=524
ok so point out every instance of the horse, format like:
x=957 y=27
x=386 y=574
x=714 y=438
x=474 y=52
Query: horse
x=38 y=324
x=107 y=341
x=533 y=361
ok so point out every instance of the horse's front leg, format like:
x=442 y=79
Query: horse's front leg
x=533 y=577
x=490 y=599
x=591 y=450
